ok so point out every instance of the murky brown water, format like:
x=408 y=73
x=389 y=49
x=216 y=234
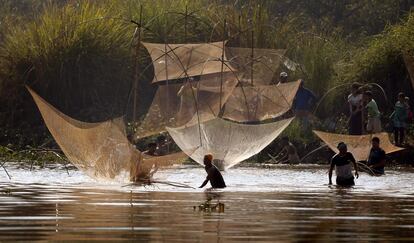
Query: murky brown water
x=280 y=204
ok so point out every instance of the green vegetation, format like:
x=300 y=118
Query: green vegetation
x=80 y=55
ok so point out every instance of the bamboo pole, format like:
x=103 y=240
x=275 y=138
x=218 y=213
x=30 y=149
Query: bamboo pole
x=222 y=64
x=136 y=88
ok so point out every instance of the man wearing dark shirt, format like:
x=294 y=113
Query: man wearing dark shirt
x=376 y=159
x=342 y=164
x=213 y=174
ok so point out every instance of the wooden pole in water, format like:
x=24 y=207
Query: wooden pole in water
x=134 y=114
x=252 y=58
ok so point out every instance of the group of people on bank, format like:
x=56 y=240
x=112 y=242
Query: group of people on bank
x=365 y=116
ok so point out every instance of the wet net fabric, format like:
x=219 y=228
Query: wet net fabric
x=358 y=145
x=260 y=67
x=229 y=143
x=258 y=103
x=409 y=63
x=101 y=149
x=176 y=104
x=177 y=61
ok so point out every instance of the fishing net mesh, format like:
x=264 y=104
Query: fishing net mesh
x=176 y=104
x=177 y=61
x=228 y=142
x=359 y=146
x=258 y=103
x=101 y=149
x=259 y=67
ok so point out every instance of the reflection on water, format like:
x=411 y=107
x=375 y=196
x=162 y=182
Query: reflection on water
x=284 y=203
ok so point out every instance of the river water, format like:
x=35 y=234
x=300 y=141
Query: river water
x=282 y=203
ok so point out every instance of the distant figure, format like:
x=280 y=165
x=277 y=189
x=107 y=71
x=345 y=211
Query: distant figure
x=289 y=153
x=303 y=103
x=410 y=114
x=152 y=148
x=376 y=159
x=355 y=111
x=399 y=118
x=342 y=164
x=374 y=122
x=283 y=78
x=146 y=172
x=162 y=145
x=213 y=174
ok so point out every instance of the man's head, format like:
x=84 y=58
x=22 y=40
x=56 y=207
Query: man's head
x=368 y=95
x=342 y=148
x=355 y=88
x=208 y=159
x=152 y=147
x=283 y=77
x=401 y=97
x=375 y=142
x=285 y=140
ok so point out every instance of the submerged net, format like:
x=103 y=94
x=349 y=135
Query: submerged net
x=177 y=61
x=358 y=145
x=101 y=149
x=229 y=143
x=409 y=63
x=263 y=64
x=258 y=103
x=176 y=104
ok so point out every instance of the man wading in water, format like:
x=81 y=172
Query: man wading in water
x=213 y=174
x=342 y=164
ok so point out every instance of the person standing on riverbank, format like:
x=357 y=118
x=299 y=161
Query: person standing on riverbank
x=213 y=174
x=341 y=162
x=355 y=110
x=304 y=100
x=374 y=122
x=399 y=118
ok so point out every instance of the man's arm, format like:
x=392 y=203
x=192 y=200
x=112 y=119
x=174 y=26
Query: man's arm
x=204 y=183
x=330 y=172
x=355 y=166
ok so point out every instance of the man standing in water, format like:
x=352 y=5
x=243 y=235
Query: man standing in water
x=376 y=159
x=289 y=153
x=213 y=174
x=342 y=164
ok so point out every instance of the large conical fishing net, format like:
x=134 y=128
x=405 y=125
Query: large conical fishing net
x=176 y=104
x=101 y=149
x=259 y=67
x=258 y=103
x=228 y=142
x=358 y=145
x=177 y=61
x=409 y=63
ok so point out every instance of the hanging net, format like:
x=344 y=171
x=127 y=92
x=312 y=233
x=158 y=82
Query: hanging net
x=177 y=61
x=258 y=103
x=358 y=145
x=409 y=63
x=229 y=143
x=176 y=104
x=101 y=149
x=260 y=68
